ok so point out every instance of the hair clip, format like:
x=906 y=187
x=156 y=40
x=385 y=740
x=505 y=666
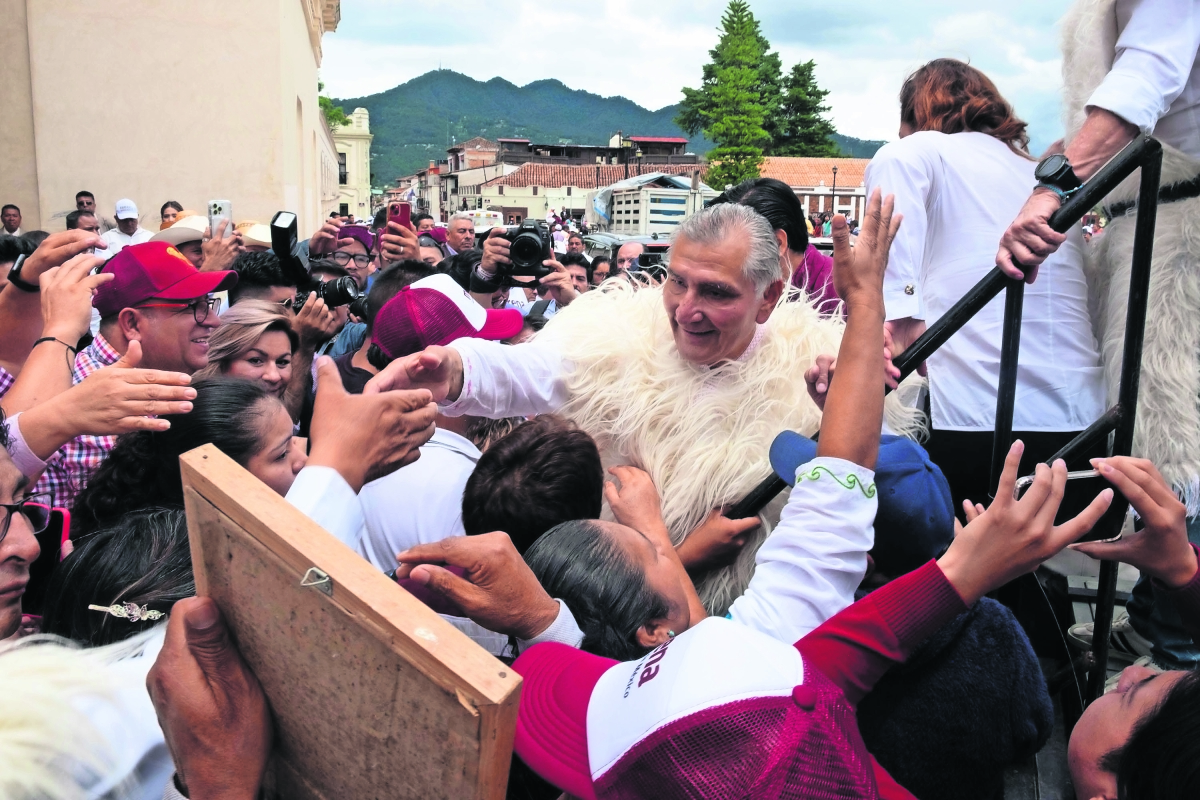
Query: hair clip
x=130 y=611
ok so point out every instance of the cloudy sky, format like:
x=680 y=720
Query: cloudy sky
x=647 y=51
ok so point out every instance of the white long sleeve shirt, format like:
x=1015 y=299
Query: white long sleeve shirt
x=1155 y=78
x=958 y=193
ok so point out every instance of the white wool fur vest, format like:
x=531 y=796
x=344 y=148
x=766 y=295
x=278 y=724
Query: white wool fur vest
x=703 y=435
x=1168 y=413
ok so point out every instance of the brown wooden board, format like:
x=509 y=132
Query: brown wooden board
x=374 y=695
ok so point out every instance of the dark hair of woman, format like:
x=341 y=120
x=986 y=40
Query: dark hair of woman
x=951 y=96
x=144 y=559
x=1161 y=759
x=142 y=471
x=607 y=594
x=776 y=201
x=461 y=265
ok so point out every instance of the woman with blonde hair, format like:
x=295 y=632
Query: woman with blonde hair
x=961 y=172
x=257 y=341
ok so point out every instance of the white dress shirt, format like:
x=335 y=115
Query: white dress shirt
x=958 y=193
x=420 y=503
x=1155 y=78
x=118 y=241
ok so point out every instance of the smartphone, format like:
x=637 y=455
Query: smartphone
x=220 y=210
x=1089 y=485
x=51 y=541
x=400 y=213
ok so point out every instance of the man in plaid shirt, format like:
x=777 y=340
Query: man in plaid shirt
x=159 y=300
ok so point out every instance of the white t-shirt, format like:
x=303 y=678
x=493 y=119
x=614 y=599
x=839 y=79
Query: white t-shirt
x=420 y=503
x=118 y=241
x=958 y=193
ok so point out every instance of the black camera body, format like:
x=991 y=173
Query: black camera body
x=337 y=292
x=530 y=244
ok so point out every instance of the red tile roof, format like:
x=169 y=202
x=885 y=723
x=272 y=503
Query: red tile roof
x=664 y=139
x=478 y=143
x=811 y=171
x=584 y=177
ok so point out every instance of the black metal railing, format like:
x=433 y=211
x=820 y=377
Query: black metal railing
x=1145 y=153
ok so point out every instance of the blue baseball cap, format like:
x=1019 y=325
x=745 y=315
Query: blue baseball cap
x=915 y=520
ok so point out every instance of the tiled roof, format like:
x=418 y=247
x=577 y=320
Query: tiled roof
x=478 y=143
x=664 y=139
x=584 y=177
x=811 y=171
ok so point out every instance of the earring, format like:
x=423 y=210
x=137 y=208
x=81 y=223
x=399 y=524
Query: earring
x=670 y=634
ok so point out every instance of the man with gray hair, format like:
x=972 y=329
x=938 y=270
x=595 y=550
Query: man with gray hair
x=693 y=396
x=460 y=234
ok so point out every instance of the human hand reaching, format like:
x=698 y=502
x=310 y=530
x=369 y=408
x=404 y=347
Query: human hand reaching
x=400 y=243
x=858 y=271
x=1012 y=537
x=219 y=250
x=636 y=503
x=558 y=284
x=325 y=239
x=497 y=590
x=437 y=369
x=66 y=295
x=717 y=541
x=1161 y=549
x=365 y=437
x=315 y=322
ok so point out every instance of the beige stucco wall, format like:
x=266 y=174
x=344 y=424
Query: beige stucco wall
x=546 y=198
x=165 y=101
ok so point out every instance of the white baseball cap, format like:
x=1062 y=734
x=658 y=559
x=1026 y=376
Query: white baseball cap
x=126 y=209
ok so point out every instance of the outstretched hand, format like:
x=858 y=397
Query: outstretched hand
x=1161 y=549
x=366 y=436
x=1012 y=537
x=497 y=590
x=436 y=369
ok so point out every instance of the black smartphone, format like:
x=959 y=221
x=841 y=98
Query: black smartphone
x=1088 y=483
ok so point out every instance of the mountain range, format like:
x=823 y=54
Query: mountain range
x=415 y=122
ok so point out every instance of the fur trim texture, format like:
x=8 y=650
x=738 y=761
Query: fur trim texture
x=701 y=434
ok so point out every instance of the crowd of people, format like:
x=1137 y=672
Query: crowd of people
x=550 y=461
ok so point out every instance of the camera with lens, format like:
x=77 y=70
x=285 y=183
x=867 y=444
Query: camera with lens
x=337 y=292
x=530 y=244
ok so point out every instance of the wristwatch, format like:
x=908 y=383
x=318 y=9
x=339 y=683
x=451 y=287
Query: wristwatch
x=1055 y=173
x=14 y=276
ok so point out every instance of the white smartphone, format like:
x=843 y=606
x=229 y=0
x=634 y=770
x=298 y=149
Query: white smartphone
x=220 y=210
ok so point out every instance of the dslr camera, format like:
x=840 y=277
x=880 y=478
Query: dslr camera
x=529 y=245
x=337 y=292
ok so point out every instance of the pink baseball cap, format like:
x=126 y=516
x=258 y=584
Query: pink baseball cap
x=721 y=710
x=154 y=269
x=360 y=232
x=436 y=311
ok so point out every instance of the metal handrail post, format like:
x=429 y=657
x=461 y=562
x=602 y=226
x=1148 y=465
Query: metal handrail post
x=1006 y=393
x=1127 y=397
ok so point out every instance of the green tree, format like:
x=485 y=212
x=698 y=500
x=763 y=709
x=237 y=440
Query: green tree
x=730 y=107
x=801 y=128
x=334 y=115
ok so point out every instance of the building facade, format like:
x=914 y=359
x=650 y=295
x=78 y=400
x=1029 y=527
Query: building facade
x=835 y=185
x=353 y=145
x=165 y=101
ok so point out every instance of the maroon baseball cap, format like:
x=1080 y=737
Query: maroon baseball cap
x=154 y=269
x=436 y=311
x=359 y=232
x=721 y=710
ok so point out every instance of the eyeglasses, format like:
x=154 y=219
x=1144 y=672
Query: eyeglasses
x=35 y=508
x=201 y=307
x=343 y=258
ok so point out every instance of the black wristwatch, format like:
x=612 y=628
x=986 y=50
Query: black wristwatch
x=1055 y=173
x=14 y=276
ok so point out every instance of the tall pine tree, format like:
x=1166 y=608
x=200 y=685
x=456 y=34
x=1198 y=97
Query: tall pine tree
x=730 y=106
x=800 y=128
